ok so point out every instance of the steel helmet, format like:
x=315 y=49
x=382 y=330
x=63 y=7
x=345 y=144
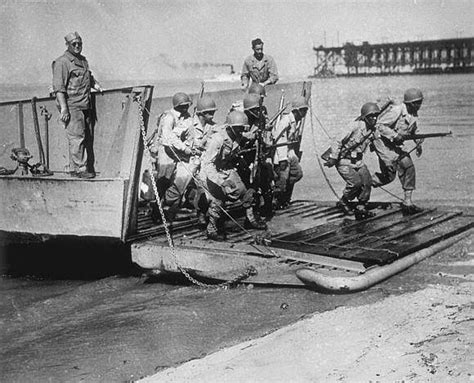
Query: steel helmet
x=412 y=95
x=181 y=99
x=367 y=109
x=256 y=88
x=251 y=101
x=236 y=118
x=205 y=104
x=299 y=102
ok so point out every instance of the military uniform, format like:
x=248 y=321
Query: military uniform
x=175 y=163
x=220 y=176
x=396 y=121
x=260 y=70
x=349 y=152
x=287 y=166
x=71 y=76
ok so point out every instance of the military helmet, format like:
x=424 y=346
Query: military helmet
x=412 y=95
x=256 y=88
x=367 y=109
x=181 y=99
x=236 y=118
x=205 y=104
x=299 y=102
x=251 y=101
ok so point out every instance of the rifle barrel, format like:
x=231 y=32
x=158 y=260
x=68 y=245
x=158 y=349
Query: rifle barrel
x=427 y=135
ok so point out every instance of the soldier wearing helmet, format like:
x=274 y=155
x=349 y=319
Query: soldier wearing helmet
x=175 y=154
x=287 y=167
x=399 y=121
x=258 y=68
x=204 y=128
x=347 y=155
x=221 y=178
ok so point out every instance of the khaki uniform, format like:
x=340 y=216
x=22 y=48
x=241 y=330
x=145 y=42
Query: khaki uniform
x=174 y=166
x=349 y=151
x=71 y=75
x=283 y=132
x=259 y=70
x=392 y=157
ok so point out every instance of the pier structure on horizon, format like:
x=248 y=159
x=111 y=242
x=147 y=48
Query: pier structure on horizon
x=411 y=57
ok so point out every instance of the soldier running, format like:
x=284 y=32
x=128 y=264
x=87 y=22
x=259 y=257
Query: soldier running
x=347 y=156
x=222 y=181
x=398 y=122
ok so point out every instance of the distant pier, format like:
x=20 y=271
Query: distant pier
x=410 y=57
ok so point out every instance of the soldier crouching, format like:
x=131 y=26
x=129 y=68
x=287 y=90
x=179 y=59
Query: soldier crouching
x=221 y=180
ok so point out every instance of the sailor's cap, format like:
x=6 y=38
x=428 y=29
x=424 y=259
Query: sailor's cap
x=72 y=36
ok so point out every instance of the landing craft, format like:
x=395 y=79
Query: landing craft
x=309 y=244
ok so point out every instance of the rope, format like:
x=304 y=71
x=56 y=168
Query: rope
x=316 y=151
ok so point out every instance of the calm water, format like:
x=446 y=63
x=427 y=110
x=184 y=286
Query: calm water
x=444 y=172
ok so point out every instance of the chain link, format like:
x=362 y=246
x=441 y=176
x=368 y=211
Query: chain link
x=250 y=270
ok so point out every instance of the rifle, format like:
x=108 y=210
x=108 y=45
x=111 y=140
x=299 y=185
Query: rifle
x=259 y=142
x=344 y=150
x=267 y=147
x=426 y=135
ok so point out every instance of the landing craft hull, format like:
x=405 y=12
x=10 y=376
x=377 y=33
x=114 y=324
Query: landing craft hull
x=103 y=207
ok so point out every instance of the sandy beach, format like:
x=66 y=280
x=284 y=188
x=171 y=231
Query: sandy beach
x=421 y=336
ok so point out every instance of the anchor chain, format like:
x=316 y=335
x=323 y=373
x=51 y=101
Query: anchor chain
x=250 y=270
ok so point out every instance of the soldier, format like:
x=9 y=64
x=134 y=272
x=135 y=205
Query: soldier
x=72 y=83
x=287 y=167
x=177 y=159
x=347 y=156
x=392 y=127
x=258 y=170
x=259 y=67
x=204 y=127
x=222 y=181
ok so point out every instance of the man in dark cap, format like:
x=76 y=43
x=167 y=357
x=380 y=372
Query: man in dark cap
x=259 y=67
x=72 y=84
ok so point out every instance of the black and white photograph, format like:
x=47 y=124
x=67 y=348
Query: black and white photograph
x=236 y=191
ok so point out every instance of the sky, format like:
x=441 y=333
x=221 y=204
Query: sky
x=159 y=39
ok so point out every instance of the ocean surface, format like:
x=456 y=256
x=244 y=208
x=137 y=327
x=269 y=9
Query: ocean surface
x=444 y=171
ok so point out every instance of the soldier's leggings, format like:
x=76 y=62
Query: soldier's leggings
x=406 y=173
x=358 y=182
x=179 y=182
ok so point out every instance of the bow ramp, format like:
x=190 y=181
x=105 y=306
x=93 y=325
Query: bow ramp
x=308 y=244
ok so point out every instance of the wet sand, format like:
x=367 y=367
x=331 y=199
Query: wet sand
x=122 y=328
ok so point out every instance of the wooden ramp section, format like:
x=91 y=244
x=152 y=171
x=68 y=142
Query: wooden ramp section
x=308 y=235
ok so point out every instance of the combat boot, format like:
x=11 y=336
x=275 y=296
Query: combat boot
x=212 y=231
x=213 y=225
x=361 y=213
x=202 y=221
x=253 y=223
x=410 y=209
x=343 y=206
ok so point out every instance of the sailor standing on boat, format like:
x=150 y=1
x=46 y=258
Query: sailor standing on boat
x=347 y=155
x=259 y=67
x=72 y=83
x=398 y=122
x=287 y=165
x=222 y=181
x=177 y=159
